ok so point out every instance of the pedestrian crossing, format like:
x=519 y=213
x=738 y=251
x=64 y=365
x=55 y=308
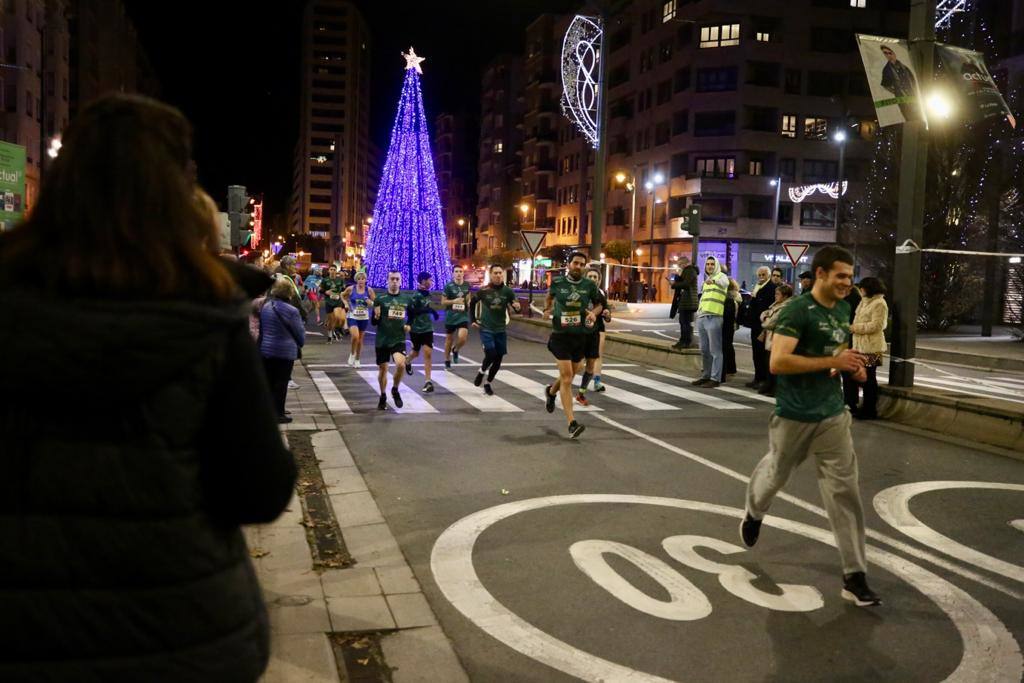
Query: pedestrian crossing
x=349 y=391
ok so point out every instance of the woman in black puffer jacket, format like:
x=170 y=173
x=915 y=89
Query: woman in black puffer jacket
x=136 y=427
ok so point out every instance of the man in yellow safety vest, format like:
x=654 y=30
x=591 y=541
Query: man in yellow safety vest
x=710 y=314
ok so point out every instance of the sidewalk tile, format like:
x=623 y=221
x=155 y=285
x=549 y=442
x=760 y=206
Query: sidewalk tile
x=422 y=655
x=290 y=615
x=365 y=613
x=373 y=546
x=328 y=439
x=351 y=582
x=288 y=550
x=290 y=582
x=356 y=509
x=305 y=658
x=299 y=427
x=332 y=457
x=397 y=579
x=343 y=480
x=411 y=610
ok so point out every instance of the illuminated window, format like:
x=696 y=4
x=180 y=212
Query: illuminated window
x=724 y=35
x=668 y=11
x=815 y=128
x=859 y=4
x=763 y=37
x=789 y=125
x=719 y=167
x=755 y=167
x=499 y=147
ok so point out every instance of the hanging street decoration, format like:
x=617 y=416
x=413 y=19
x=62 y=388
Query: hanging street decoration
x=407 y=232
x=965 y=71
x=945 y=9
x=892 y=79
x=802 y=192
x=581 y=75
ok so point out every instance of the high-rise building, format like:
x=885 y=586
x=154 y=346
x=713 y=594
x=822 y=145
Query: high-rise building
x=331 y=184
x=454 y=182
x=499 y=185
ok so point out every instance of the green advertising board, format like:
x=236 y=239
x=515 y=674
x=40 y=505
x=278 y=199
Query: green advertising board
x=12 y=184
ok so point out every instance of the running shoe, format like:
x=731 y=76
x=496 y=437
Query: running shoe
x=382 y=404
x=292 y=385
x=351 y=360
x=396 y=397
x=698 y=382
x=329 y=340
x=447 y=365
x=479 y=379
x=750 y=529
x=455 y=357
x=357 y=363
x=575 y=429
x=428 y=388
x=598 y=386
x=855 y=589
x=582 y=400
x=549 y=399
x=408 y=369
x=488 y=390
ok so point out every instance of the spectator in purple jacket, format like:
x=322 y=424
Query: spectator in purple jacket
x=281 y=339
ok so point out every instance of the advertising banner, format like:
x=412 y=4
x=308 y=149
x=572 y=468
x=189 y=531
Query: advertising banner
x=892 y=79
x=12 y=184
x=979 y=96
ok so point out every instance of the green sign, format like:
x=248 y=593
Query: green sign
x=12 y=184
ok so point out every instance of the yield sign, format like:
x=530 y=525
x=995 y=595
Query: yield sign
x=533 y=239
x=795 y=252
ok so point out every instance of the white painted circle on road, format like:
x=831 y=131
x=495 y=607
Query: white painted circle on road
x=1018 y=524
x=893 y=505
x=990 y=652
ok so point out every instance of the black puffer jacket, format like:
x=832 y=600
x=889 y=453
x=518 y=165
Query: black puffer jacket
x=134 y=440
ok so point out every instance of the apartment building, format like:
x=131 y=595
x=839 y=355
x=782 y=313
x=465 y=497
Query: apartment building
x=452 y=147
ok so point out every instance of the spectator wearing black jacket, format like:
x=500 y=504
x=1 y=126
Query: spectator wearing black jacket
x=762 y=299
x=684 y=302
x=120 y=508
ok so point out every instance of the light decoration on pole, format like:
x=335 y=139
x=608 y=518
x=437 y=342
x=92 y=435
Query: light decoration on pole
x=945 y=9
x=581 y=73
x=257 y=222
x=802 y=192
x=407 y=233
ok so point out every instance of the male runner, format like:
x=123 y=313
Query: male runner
x=421 y=317
x=390 y=311
x=595 y=343
x=333 y=286
x=489 y=314
x=569 y=298
x=455 y=299
x=810 y=348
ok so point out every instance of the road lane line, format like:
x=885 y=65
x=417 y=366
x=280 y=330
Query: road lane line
x=474 y=395
x=414 y=403
x=333 y=399
x=893 y=542
x=673 y=390
x=537 y=389
x=728 y=390
x=623 y=396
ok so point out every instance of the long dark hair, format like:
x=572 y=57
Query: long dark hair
x=118 y=214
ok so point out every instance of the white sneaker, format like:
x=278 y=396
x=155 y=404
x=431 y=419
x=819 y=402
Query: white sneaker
x=358 y=364
x=292 y=385
x=351 y=360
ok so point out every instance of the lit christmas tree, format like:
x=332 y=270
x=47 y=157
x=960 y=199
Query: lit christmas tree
x=407 y=232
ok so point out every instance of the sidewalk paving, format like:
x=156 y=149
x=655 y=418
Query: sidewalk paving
x=378 y=593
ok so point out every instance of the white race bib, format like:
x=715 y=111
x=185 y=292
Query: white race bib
x=458 y=307
x=571 y=319
x=396 y=312
x=360 y=313
x=335 y=296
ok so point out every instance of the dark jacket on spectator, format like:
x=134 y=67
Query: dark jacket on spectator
x=684 y=291
x=760 y=303
x=282 y=332
x=132 y=450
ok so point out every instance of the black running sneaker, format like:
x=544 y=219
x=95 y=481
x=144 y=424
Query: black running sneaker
x=575 y=429
x=479 y=379
x=750 y=529
x=549 y=399
x=855 y=589
x=382 y=404
x=488 y=390
x=455 y=357
x=428 y=388
x=408 y=369
x=447 y=365
x=396 y=397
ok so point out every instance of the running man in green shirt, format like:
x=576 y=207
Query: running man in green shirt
x=810 y=348
x=422 y=317
x=455 y=299
x=574 y=302
x=390 y=315
x=490 y=314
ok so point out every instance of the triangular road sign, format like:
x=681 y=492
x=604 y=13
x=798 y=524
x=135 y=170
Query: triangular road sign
x=795 y=252
x=533 y=239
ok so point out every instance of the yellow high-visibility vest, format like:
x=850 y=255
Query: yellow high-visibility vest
x=712 y=298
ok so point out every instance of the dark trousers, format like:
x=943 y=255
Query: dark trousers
x=728 y=350
x=279 y=373
x=870 y=406
x=851 y=391
x=760 y=357
x=686 y=328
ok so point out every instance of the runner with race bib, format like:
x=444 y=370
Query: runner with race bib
x=357 y=300
x=390 y=313
x=455 y=299
x=490 y=315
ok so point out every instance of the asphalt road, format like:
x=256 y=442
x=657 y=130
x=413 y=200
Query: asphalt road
x=616 y=557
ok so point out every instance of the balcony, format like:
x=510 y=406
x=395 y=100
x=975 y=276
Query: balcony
x=541 y=135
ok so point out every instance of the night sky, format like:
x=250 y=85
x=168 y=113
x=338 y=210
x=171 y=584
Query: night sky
x=233 y=68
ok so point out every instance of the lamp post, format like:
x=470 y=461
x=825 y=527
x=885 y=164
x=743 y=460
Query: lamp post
x=840 y=137
x=630 y=184
x=651 y=186
x=525 y=209
x=776 y=182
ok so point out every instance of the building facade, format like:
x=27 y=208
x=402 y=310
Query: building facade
x=331 y=190
x=454 y=173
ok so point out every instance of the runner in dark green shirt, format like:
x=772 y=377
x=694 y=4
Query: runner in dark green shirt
x=331 y=287
x=595 y=341
x=390 y=315
x=489 y=313
x=422 y=315
x=455 y=299
x=809 y=350
x=575 y=304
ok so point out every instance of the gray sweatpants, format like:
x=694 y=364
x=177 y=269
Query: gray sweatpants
x=831 y=445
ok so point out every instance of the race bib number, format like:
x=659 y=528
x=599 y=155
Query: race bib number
x=571 y=320
x=335 y=296
x=360 y=313
x=458 y=307
x=396 y=313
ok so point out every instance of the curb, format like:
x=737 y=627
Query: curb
x=973 y=360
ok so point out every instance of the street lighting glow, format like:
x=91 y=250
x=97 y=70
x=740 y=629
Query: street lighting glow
x=620 y=177
x=658 y=179
x=649 y=185
x=639 y=252
x=840 y=136
x=939 y=105
x=1015 y=260
x=524 y=207
x=773 y=182
x=461 y=222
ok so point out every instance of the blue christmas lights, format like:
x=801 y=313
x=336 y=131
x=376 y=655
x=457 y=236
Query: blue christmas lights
x=407 y=233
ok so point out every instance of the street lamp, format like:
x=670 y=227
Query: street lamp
x=525 y=208
x=651 y=185
x=840 y=138
x=939 y=105
x=776 y=182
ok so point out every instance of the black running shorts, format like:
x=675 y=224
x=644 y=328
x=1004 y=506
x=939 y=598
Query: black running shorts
x=593 y=346
x=384 y=353
x=569 y=346
x=421 y=339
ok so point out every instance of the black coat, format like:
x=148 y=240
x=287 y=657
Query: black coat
x=760 y=303
x=135 y=438
x=684 y=291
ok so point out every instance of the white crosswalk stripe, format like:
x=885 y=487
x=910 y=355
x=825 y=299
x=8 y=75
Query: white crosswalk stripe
x=673 y=390
x=535 y=389
x=472 y=394
x=727 y=390
x=964 y=387
x=413 y=402
x=637 y=401
x=332 y=397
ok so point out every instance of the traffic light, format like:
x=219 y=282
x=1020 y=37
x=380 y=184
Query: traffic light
x=240 y=215
x=691 y=220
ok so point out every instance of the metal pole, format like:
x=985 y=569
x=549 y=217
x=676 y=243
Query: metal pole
x=601 y=154
x=910 y=218
x=839 y=198
x=650 y=220
x=632 y=224
x=775 y=220
x=529 y=309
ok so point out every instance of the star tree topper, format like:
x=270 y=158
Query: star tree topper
x=412 y=61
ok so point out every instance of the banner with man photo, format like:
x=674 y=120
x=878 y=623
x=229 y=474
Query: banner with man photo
x=979 y=96
x=892 y=79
